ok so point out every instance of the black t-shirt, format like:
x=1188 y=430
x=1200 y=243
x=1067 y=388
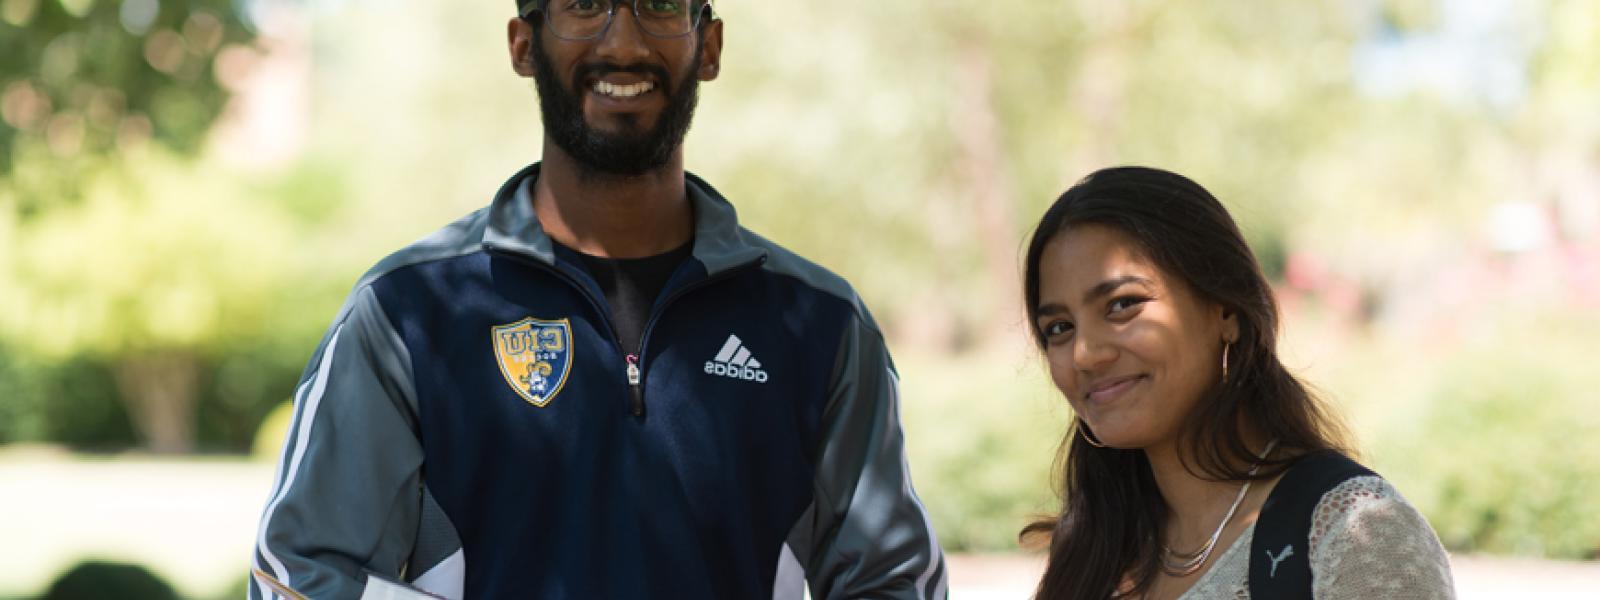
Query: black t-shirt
x=631 y=286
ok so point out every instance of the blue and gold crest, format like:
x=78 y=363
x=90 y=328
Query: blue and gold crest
x=535 y=356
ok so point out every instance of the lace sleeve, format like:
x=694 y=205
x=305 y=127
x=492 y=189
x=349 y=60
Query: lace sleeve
x=1368 y=542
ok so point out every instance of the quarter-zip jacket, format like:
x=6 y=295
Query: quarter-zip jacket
x=752 y=448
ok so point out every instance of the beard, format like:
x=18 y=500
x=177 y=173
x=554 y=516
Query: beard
x=631 y=151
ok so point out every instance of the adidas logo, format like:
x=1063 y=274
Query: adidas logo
x=734 y=362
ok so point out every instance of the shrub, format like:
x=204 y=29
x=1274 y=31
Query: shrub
x=1504 y=459
x=982 y=432
x=97 y=580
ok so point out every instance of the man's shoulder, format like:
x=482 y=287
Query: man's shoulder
x=461 y=237
x=784 y=262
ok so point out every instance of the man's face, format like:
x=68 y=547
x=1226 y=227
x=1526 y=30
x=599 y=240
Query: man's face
x=621 y=103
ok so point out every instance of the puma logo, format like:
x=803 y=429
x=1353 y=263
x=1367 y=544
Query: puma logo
x=1287 y=552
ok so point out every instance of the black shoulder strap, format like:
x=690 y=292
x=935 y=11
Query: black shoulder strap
x=1280 y=565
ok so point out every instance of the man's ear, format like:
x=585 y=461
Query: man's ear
x=519 y=40
x=711 y=51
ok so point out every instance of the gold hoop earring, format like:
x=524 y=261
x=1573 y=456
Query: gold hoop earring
x=1225 y=347
x=1083 y=430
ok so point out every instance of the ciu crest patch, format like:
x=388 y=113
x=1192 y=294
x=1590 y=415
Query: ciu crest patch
x=535 y=356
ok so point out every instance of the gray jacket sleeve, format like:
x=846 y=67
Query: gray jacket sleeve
x=347 y=499
x=866 y=534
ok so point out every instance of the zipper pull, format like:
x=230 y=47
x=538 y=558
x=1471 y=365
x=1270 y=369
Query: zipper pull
x=633 y=385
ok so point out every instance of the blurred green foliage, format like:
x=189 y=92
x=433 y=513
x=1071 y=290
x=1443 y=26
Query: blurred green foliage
x=1502 y=459
x=80 y=407
x=981 y=436
x=96 y=580
x=74 y=401
x=22 y=412
x=70 y=401
x=94 y=98
x=189 y=293
x=82 y=81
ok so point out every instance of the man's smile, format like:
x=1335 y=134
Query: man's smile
x=622 y=91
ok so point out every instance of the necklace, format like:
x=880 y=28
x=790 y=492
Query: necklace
x=1180 y=564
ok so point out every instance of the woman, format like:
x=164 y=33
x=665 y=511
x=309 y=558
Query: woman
x=1160 y=329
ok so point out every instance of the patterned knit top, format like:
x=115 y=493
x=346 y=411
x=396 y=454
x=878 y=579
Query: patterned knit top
x=1366 y=542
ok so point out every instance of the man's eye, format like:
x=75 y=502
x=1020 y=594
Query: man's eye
x=664 y=6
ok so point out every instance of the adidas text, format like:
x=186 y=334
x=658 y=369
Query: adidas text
x=735 y=372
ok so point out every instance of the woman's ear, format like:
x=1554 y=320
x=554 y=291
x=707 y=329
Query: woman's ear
x=1230 y=325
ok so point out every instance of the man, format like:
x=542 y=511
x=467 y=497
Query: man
x=600 y=386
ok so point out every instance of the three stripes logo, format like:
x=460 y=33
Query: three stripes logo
x=735 y=362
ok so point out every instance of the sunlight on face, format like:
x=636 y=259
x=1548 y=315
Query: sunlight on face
x=1131 y=347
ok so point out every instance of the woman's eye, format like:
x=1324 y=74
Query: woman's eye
x=1055 y=329
x=1124 y=303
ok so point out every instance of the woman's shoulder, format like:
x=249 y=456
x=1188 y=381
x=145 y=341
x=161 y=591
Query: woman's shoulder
x=1367 y=541
x=1344 y=496
x=1360 y=503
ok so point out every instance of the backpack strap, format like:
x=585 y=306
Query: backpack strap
x=1280 y=553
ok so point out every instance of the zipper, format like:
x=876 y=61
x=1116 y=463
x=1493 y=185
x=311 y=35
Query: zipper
x=634 y=377
x=636 y=361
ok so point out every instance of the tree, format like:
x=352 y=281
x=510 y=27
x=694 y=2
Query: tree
x=104 y=254
x=158 y=267
x=81 y=81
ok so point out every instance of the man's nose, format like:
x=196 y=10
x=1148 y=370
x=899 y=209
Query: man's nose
x=623 y=42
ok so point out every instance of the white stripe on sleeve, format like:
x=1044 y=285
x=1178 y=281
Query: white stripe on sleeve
x=307 y=416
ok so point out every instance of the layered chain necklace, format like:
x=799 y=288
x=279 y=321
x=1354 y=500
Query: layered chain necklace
x=1181 y=564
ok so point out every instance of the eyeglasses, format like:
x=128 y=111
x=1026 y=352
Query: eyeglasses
x=578 y=20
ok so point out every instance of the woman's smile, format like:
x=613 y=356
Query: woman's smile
x=1105 y=390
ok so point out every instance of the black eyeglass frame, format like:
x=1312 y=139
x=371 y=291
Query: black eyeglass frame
x=537 y=6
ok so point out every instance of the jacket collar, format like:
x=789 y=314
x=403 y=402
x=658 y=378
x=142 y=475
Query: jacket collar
x=719 y=243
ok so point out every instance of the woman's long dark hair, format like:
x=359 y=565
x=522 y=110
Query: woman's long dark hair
x=1113 y=517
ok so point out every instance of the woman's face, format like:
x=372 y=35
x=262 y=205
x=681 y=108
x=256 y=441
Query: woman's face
x=1131 y=347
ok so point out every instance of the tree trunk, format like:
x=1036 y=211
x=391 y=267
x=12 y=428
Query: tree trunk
x=977 y=127
x=1100 y=88
x=159 y=390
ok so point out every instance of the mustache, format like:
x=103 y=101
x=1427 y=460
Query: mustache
x=601 y=69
